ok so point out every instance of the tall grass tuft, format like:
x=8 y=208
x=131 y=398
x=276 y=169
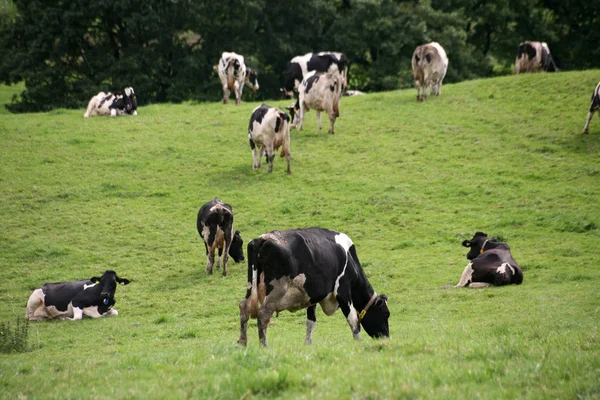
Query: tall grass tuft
x=14 y=340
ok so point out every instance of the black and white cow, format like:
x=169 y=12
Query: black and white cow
x=534 y=57
x=491 y=264
x=322 y=92
x=113 y=104
x=429 y=66
x=72 y=300
x=269 y=130
x=594 y=108
x=215 y=226
x=300 y=268
x=324 y=61
x=234 y=74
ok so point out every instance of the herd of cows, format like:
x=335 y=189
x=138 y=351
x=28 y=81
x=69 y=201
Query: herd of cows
x=299 y=268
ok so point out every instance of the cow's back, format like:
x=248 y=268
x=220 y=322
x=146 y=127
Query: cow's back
x=61 y=294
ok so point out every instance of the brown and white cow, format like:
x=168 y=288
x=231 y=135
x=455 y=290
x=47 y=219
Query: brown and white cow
x=234 y=74
x=215 y=226
x=322 y=92
x=269 y=130
x=594 y=108
x=429 y=66
x=534 y=57
x=491 y=264
x=113 y=104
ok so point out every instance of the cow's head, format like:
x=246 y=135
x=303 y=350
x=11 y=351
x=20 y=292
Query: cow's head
x=476 y=244
x=130 y=101
x=252 y=79
x=108 y=282
x=375 y=320
x=236 y=250
x=294 y=111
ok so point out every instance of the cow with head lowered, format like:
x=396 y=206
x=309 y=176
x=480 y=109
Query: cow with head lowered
x=234 y=75
x=113 y=104
x=325 y=61
x=491 y=264
x=429 y=66
x=215 y=226
x=594 y=108
x=300 y=268
x=269 y=130
x=321 y=92
x=72 y=300
x=534 y=57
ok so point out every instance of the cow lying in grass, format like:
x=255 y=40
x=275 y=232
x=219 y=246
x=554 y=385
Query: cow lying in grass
x=491 y=264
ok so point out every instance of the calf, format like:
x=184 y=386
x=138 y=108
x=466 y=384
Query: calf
x=269 y=130
x=300 y=268
x=491 y=264
x=321 y=91
x=324 y=61
x=112 y=104
x=594 y=107
x=72 y=300
x=215 y=226
x=534 y=57
x=429 y=66
x=234 y=74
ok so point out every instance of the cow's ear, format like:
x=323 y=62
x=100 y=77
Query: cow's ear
x=467 y=243
x=123 y=281
x=95 y=279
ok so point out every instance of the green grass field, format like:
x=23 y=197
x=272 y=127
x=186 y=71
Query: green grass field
x=408 y=182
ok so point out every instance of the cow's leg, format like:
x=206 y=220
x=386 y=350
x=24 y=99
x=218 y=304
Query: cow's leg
x=587 y=121
x=244 y=317
x=479 y=284
x=226 y=94
x=238 y=93
x=270 y=157
x=300 y=118
x=228 y=238
x=113 y=112
x=77 y=314
x=311 y=320
x=319 y=119
x=264 y=316
x=220 y=255
x=466 y=276
x=210 y=259
x=331 y=123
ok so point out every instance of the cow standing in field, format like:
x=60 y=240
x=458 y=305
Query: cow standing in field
x=72 y=300
x=324 y=61
x=234 y=75
x=215 y=226
x=269 y=130
x=491 y=264
x=112 y=104
x=300 y=268
x=429 y=66
x=321 y=91
x=594 y=108
x=534 y=57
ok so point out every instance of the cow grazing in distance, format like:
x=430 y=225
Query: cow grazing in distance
x=300 y=268
x=268 y=130
x=594 y=108
x=321 y=91
x=324 y=61
x=113 y=104
x=234 y=75
x=491 y=264
x=72 y=300
x=429 y=66
x=215 y=226
x=534 y=57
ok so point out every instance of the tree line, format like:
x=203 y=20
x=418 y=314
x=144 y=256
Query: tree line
x=67 y=51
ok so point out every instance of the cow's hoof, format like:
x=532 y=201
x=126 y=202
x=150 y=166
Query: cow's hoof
x=585 y=131
x=242 y=342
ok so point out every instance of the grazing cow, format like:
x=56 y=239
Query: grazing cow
x=72 y=300
x=321 y=91
x=269 y=130
x=491 y=264
x=429 y=66
x=300 y=268
x=594 y=107
x=324 y=61
x=234 y=74
x=215 y=226
x=112 y=104
x=534 y=57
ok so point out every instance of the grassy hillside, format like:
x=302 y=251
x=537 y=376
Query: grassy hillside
x=408 y=182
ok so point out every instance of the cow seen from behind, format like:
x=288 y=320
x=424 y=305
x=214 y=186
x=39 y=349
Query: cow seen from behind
x=300 y=268
x=534 y=57
x=234 y=75
x=268 y=131
x=429 y=66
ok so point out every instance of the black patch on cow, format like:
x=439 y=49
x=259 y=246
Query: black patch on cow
x=277 y=124
x=548 y=64
x=311 y=80
x=428 y=57
x=531 y=51
x=252 y=144
x=251 y=75
x=295 y=73
x=321 y=63
x=258 y=115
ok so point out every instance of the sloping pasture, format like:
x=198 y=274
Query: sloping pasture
x=408 y=182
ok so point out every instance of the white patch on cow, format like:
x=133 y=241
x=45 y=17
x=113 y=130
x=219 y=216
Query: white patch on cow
x=86 y=286
x=77 y=313
x=467 y=276
x=343 y=240
x=502 y=269
x=129 y=91
x=310 y=325
x=93 y=312
x=353 y=321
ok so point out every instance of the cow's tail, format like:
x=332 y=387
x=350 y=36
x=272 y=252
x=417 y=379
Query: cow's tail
x=283 y=123
x=253 y=293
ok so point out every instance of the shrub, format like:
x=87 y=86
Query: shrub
x=14 y=340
